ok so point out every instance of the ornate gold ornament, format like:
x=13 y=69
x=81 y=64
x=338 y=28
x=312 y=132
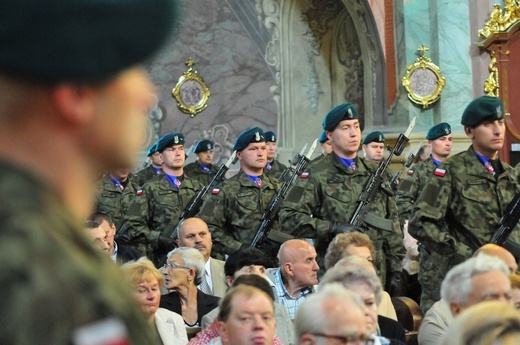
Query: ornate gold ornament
x=424 y=80
x=491 y=85
x=191 y=92
x=501 y=20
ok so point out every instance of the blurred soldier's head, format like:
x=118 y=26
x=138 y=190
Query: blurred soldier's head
x=252 y=151
x=373 y=146
x=204 y=151
x=483 y=121
x=120 y=174
x=325 y=144
x=194 y=233
x=270 y=139
x=154 y=156
x=343 y=130
x=171 y=147
x=440 y=140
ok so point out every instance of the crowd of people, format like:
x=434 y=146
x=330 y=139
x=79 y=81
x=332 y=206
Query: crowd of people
x=119 y=264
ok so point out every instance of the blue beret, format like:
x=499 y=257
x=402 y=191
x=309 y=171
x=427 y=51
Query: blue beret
x=377 y=137
x=438 y=131
x=270 y=136
x=203 y=145
x=253 y=135
x=170 y=140
x=323 y=137
x=80 y=40
x=484 y=108
x=151 y=150
x=345 y=111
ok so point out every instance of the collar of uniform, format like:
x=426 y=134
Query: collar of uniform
x=109 y=185
x=246 y=181
x=362 y=166
x=474 y=166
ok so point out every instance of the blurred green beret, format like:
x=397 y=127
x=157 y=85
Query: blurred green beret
x=484 y=108
x=56 y=41
x=270 y=136
x=151 y=150
x=323 y=137
x=377 y=137
x=203 y=145
x=170 y=140
x=438 y=131
x=345 y=111
x=253 y=135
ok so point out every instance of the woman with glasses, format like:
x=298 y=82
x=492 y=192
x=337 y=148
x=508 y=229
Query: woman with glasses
x=184 y=270
x=146 y=281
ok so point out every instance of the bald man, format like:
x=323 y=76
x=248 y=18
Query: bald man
x=500 y=252
x=194 y=233
x=297 y=274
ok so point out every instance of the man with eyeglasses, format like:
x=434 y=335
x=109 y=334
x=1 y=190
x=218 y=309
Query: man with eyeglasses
x=334 y=316
x=154 y=213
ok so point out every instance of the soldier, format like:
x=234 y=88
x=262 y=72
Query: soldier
x=326 y=148
x=234 y=210
x=461 y=205
x=153 y=169
x=322 y=202
x=72 y=99
x=115 y=191
x=374 y=147
x=202 y=169
x=272 y=167
x=154 y=212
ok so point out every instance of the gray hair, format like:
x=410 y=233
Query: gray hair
x=192 y=258
x=311 y=316
x=351 y=275
x=457 y=284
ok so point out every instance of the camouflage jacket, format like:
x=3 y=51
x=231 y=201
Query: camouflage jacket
x=145 y=175
x=276 y=169
x=53 y=282
x=234 y=211
x=411 y=186
x=194 y=171
x=156 y=209
x=469 y=200
x=113 y=201
x=330 y=192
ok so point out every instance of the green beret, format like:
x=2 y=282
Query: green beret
x=345 y=111
x=253 y=135
x=56 y=41
x=323 y=137
x=151 y=150
x=170 y=140
x=377 y=137
x=203 y=145
x=270 y=136
x=484 y=108
x=438 y=131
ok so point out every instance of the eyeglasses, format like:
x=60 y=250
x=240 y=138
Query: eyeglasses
x=173 y=265
x=348 y=339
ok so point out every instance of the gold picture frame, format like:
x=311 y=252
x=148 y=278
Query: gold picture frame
x=191 y=92
x=423 y=81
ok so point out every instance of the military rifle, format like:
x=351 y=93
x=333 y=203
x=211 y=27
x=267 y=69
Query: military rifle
x=506 y=227
x=276 y=202
x=375 y=184
x=292 y=164
x=195 y=204
x=406 y=164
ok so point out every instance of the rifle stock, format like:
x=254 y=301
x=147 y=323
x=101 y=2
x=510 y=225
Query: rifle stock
x=506 y=227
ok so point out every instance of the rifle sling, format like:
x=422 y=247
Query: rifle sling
x=378 y=222
x=279 y=237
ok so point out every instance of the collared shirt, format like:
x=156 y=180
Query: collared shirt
x=113 y=256
x=284 y=298
x=207 y=275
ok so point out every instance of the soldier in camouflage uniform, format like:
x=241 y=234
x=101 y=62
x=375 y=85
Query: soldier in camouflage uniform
x=373 y=146
x=321 y=204
x=234 y=210
x=461 y=205
x=69 y=111
x=325 y=146
x=115 y=191
x=156 y=162
x=440 y=140
x=273 y=167
x=154 y=212
x=202 y=169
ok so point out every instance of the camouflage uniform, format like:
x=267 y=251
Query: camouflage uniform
x=330 y=193
x=53 y=281
x=276 y=169
x=145 y=175
x=234 y=212
x=112 y=200
x=196 y=172
x=470 y=202
x=155 y=210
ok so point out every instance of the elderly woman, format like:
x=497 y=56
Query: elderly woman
x=184 y=270
x=364 y=281
x=146 y=280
